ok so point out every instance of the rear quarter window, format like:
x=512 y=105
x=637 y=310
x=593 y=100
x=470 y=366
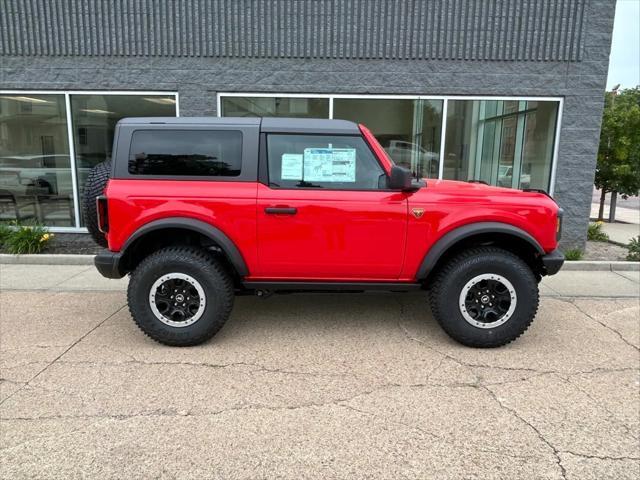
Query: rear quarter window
x=186 y=153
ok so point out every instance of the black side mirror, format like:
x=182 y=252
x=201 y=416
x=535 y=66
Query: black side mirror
x=400 y=178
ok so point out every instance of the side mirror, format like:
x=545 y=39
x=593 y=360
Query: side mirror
x=400 y=178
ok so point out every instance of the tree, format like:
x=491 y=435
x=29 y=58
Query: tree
x=618 y=167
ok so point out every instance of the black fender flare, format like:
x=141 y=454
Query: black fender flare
x=218 y=236
x=454 y=236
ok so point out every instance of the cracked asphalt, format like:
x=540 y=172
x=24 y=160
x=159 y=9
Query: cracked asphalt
x=316 y=386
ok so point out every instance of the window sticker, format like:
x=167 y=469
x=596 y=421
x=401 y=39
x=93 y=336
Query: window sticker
x=291 y=166
x=330 y=164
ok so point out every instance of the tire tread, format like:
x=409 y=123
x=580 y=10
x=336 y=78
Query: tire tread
x=438 y=294
x=94 y=186
x=188 y=255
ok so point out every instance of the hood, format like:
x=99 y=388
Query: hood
x=453 y=188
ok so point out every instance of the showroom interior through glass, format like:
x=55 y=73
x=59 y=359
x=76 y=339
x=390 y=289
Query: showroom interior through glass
x=509 y=142
x=50 y=140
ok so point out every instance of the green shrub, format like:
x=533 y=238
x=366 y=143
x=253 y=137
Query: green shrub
x=634 y=250
x=573 y=254
x=27 y=239
x=5 y=231
x=595 y=233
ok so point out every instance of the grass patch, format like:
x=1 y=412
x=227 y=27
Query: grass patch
x=634 y=250
x=24 y=239
x=595 y=233
x=573 y=254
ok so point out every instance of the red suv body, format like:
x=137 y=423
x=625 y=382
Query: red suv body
x=296 y=205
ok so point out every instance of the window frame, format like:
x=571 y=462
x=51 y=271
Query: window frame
x=264 y=175
x=70 y=134
x=248 y=152
x=143 y=176
x=445 y=101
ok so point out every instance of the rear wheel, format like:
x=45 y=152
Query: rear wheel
x=180 y=296
x=485 y=297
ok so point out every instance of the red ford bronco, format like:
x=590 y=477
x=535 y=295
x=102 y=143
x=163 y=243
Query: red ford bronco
x=198 y=210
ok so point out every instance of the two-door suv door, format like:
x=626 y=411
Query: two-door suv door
x=325 y=212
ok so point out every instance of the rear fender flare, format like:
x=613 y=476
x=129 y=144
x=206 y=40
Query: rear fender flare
x=451 y=238
x=215 y=234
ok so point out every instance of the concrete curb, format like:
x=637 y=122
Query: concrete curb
x=65 y=259
x=601 y=266
x=46 y=259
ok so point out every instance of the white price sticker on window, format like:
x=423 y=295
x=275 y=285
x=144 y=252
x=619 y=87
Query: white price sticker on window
x=291 y=166
x=330 y=165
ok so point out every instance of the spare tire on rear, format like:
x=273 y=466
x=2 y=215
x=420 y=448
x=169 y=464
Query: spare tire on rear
x=94 y=187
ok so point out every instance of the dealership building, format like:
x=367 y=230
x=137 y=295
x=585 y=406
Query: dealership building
x=509 y=92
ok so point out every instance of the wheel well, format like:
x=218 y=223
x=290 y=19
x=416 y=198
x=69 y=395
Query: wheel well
x=154 y=240
x=512 y=243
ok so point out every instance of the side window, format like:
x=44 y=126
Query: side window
x=196 y=153
x=323 y=161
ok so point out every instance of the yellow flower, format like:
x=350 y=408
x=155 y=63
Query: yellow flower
x=599 y=222
x=45 y=237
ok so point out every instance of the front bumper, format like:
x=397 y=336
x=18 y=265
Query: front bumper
x=553 y=262
x=108 y=264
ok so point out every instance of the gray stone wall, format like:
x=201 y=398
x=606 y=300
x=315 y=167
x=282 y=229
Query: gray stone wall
x=579 y=79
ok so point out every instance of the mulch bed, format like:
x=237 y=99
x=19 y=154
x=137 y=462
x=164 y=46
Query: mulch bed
x=76 y=243
x=604 y=251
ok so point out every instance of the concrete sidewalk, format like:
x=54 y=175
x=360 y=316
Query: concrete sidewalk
x=621 y=233
x=82 y=277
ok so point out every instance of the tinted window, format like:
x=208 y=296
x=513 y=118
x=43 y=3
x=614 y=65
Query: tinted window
x=198 y=153
x=323 y=161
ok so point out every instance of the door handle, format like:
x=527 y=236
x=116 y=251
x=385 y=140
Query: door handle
x=281 y=210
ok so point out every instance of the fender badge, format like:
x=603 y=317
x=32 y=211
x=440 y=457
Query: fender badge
x=417 y=212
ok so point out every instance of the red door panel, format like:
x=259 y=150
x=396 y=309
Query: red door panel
x=330 y=235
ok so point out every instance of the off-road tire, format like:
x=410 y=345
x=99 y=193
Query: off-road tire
x=200 y=265
x=94 y=187
x=452 y=278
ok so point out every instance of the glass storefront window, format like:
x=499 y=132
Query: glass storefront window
x=409 y=130
x=94 y=118
x=295 y=107
x=502 y=142
x=35 y=168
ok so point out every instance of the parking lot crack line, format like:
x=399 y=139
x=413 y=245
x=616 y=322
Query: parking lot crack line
x=555 y=451
x=63 y=353
x=256 y=367
x=603 y=324
x=600 y=457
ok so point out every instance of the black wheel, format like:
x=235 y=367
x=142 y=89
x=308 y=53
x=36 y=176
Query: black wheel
x=93 y=187
x=485 y=297
x=180 y=296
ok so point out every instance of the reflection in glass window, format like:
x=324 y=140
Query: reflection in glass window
x=35 y=171
x=322 y=161
x=94 y=119
x=504 y=143
x=294 y=107
x=409 y=130
x=195 y=153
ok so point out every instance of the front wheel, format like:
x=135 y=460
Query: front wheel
x=485 y=297
x=180 y=296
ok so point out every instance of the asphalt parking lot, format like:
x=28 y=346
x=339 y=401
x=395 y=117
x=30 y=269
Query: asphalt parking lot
x=316 y=386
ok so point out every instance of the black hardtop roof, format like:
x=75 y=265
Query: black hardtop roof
x=267 y=124
x=309 y=125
